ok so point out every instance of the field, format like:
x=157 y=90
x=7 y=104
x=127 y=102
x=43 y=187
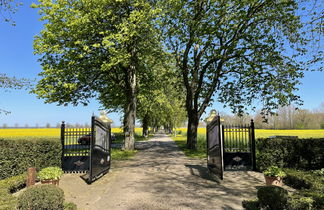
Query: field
x=264 y=133
x=42 y=132
x=55 y=132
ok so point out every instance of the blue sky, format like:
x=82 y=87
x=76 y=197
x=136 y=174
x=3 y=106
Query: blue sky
x=17 y=59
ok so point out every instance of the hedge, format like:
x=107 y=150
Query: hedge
x=310 y=184
x=306 y=154
x=17 y=155
x=8 y=186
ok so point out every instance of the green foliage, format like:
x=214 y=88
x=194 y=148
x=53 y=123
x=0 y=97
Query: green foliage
x=251 y=204
x=308 y=183
x=297 y=202
x=50 y=173
x=107 y=58
x=41 y=197
x=8 y=186
x=274 y=171
x=236 y=51
x=70 y=206
x=272 y=197
x=18 y=155
x=290 y=153
x=319 y=172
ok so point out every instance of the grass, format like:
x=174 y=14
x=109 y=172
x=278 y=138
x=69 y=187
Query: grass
x=119 y=154
x=181 y=141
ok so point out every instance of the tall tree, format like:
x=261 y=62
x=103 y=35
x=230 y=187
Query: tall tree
x=237 y=50
x=95 y=48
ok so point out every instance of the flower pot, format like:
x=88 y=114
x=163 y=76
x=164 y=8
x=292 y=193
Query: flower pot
x=51 y=181
x=272 y=180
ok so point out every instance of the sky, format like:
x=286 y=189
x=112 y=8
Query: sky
x=17 y=59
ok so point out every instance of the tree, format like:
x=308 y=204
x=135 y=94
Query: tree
x=161 y=98
x=96 y=48
x=7 y=8
x=7 y=83
x=238 y=51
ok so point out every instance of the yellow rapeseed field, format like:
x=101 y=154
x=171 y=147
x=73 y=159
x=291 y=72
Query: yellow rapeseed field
x=55 y=132
x=42 y=132
x=264 y=133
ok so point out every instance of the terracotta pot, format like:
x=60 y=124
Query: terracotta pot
x=51 y=181
x=271 y=180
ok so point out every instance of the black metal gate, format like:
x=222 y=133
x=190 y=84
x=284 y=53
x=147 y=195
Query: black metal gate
x=230 y=147
x=87 y=149
x=100 y=150
x=214 y=148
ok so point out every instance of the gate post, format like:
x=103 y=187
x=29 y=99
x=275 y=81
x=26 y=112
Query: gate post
x=62 y=142
x=253 y=146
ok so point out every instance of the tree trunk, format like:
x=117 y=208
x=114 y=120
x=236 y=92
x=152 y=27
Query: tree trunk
x=145 y=126
x=193 y=121
x=130 y=112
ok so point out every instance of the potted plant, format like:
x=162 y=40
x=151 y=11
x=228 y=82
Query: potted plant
x=50 y=175
x=274 y=176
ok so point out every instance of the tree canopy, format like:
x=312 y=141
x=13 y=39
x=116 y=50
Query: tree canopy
x=96 y=48
x=239 y=51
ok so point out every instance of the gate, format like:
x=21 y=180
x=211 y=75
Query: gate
x=100 y=150
x=86 y=149
x=230 y=147
x=214 y=148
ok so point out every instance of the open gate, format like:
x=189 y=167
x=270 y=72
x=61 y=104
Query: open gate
x=230 y=147
x=214 y=148
x=87 y=149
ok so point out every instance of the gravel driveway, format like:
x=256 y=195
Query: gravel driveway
x=160 y=176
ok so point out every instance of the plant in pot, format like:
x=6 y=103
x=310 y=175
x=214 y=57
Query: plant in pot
x=274 y=176
x=50 y=175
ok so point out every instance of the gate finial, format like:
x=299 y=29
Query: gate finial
x=211 y=116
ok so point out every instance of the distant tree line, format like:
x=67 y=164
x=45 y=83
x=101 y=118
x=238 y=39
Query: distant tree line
x=288 y=117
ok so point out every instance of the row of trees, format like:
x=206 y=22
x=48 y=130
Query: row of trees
x=151 y=60
x=120 y=51
x=288 y=117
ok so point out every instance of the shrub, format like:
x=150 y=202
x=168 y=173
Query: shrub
x=8 y=186
x=251 y=204
x=298 y=179
x=297 y=202
x=310 y=185
x=41 y=197
x=272 y=197
x=39 y=153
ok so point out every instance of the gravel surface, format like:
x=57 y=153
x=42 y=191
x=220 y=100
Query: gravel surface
x=160 y=176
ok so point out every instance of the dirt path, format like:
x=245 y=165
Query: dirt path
x=161 y=177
